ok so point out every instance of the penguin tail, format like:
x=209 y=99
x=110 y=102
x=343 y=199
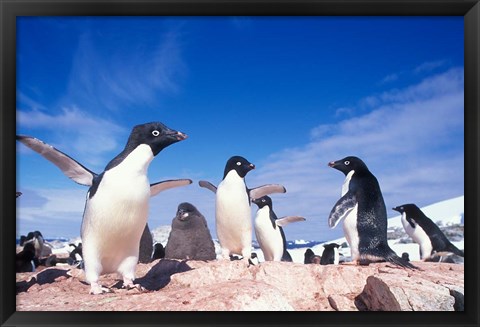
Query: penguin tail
x=395 y=259
x=452 y=248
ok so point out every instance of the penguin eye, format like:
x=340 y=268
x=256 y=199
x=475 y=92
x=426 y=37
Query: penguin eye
x=347 y=163
x=155 y=133
x=263 y=200
x=239 y=163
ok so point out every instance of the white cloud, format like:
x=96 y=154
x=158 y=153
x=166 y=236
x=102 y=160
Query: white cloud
x=131 y=75
x=76 y=133
x=405 y=139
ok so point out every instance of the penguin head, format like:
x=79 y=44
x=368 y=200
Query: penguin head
x=331 y=246
x=410 y=210
x=185 y=210
x=156 y=135
x=348 y=164
x=241 y=165
x=263 y=201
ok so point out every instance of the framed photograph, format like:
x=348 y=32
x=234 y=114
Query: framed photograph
x=191 y=91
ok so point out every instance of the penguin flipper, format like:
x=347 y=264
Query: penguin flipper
x=395 y=259
x=208 y=186
x=341 y=209
x=258 y=192
x=284 y=221
x=165 y=185
x=69 y=166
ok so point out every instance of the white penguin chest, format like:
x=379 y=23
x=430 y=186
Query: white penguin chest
x=419 y=236
x=233 y=213
x=269 y=238
x=346 y=183
x=351 y=232
x=120 y=204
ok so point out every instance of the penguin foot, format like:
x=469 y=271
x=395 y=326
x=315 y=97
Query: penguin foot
x=137 y=287
x=96 y=288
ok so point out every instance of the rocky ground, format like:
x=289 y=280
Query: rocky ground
x=229 y=285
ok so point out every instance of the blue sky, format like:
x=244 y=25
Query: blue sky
x=289 y=94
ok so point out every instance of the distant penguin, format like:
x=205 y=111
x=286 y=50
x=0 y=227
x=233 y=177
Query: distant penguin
x=117 y=201
x=233 y=216
x=18 y=194
x=24 y=259
x=158 y=251
x=76 y=256
x=311 y=257
x=330 y=255
x=189 y=237
x=425 y=232
x=253 y=259
x=365 y=215
x=405 y=256
x=146 y=246
x=37 y=240
x=268 y=230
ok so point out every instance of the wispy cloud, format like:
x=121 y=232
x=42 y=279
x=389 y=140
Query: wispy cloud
x=136 y=74
x=405 y=139
x=77 y=133
x=429 y=66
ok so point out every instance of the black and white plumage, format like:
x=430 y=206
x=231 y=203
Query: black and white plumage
x=330 y=255
x=268 y=230
x=233 y=217
x=158 y=251
x=117 y=201
x=364 y=215
x=425 y=232
x=189 y=237
x=24 y=260
x=311 y=258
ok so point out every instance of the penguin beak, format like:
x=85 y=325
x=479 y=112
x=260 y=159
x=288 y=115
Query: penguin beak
x=396 y=209
x=251 y=166
x=331 y=164
x=179 y=136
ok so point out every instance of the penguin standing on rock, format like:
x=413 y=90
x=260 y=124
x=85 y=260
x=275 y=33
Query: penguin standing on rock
x=233 y=216
x=189 y=237
x=364 y=215
x=269 y=232
x=117 y=201
x=330 y=255
x=425 y=232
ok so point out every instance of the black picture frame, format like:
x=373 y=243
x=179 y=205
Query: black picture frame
x=10 y=9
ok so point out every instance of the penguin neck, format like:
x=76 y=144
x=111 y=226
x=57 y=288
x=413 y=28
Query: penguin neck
x=346 y=183
x=137 y=161
x=233 y=177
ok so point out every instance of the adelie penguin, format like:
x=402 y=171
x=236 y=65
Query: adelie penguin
x=330 y=255
x=233 y=216
x=364 y=215
x=425 y=232
x=117 y=201
x=269 y=232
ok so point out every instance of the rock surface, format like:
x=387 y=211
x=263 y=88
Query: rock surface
x=174 y=285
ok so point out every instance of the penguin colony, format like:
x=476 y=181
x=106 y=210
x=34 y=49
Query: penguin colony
x=117 y=202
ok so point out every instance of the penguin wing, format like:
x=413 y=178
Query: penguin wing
x=208 y=185
x=263 y=190
x=284 y=221
x=70 y=167
x=165 y=185
x=341 y=209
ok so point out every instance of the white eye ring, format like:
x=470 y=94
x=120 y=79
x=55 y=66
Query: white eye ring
x=347 y=163
x=263 y=200
x=155 y=133
x=239 y=163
